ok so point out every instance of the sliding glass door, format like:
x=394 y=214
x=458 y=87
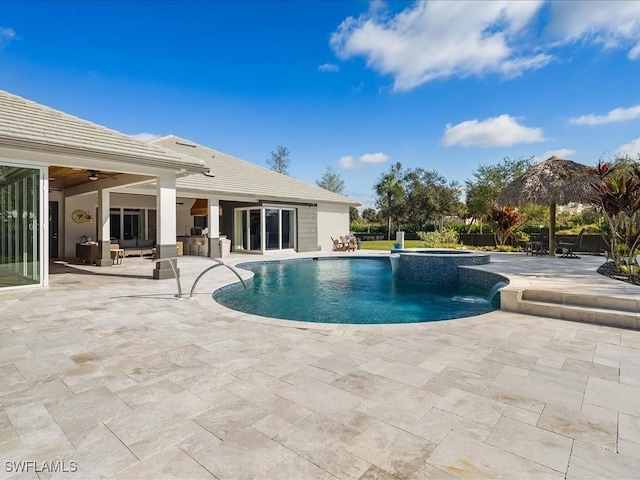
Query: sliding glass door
x=272 y=228
x=255 y=229
x=264 y=229
x=20 y=214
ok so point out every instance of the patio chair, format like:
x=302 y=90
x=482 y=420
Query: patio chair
x=572 y=246
x=348 y=245
x=539 y=246
x=339 y=246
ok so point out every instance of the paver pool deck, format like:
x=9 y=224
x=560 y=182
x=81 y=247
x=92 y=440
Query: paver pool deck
x=106 y=369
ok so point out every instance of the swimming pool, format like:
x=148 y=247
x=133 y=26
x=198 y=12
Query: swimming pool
x=355 y=290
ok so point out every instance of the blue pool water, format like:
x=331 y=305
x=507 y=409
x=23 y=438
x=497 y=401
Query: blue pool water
x=347 y=291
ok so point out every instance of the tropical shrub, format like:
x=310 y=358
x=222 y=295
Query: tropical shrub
x=520 y=236
x=448 y=238
x=504 y=220
x=449 y=235
x=618 y=195
x=430 y=239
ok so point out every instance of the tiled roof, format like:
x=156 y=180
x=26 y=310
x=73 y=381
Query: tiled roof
x=234 y=176
x=27 y=124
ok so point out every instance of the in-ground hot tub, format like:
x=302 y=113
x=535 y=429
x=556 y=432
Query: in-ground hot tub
x=434 y=266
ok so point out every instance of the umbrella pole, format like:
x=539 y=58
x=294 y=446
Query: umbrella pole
x=552 y=230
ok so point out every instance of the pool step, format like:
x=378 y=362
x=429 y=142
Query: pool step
x=601 y=310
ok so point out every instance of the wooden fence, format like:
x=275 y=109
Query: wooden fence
x=590 y=243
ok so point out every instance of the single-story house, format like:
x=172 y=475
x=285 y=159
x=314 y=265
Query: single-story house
x=66 y=183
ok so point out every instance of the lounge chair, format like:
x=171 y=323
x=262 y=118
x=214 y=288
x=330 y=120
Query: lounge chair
x=572 y=246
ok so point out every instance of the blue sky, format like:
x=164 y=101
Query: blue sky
x=353 y=85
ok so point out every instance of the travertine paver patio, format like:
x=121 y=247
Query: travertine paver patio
x=106 y=369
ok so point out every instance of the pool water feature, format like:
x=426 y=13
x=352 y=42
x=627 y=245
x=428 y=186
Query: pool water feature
x=434 y=266
x=356 y=290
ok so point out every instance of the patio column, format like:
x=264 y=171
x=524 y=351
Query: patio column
x=166 y=225
x=104 y=229
x=214 y=227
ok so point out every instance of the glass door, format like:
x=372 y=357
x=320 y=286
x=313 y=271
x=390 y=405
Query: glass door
x=272 y=228
x=20 y=211
x=133 y=223
x=264 y=229
x=288 y=229
x=254 y=226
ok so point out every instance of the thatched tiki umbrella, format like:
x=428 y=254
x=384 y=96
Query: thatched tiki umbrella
x=552 y=182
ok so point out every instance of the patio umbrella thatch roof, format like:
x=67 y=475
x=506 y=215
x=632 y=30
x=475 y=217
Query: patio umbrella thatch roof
x=552 y=182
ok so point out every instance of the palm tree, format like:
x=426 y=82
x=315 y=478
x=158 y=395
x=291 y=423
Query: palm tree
x=390 y=195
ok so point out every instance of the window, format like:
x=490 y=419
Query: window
x=129 y=223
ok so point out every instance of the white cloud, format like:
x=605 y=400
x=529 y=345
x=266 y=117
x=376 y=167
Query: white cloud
x=631 y=149
x=500 y=131
x=6 y=35
x=615 y=115
x=328 y=67
x=145 y=137
x=435 y=39
x=439 y=39
x=349 y=162
x=612 y=24
x=560 y=153
x=373 y=158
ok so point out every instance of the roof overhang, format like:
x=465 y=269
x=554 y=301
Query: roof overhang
x=177 y=164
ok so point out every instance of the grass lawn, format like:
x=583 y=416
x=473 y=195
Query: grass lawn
x=388 y=244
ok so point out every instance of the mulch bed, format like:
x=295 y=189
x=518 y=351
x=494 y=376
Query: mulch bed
x=610 y=270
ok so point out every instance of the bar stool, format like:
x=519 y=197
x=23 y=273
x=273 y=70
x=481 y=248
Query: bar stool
x=117 y=255
x=197 y=246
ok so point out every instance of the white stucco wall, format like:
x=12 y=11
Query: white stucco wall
x=184 y=219
x=72 y=230
x=333 y=221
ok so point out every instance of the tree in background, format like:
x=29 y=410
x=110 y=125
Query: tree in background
x=391 y=196
x=370 y=215
x=429 y=198
x=354 y=216
x=331 y=181
x=533 y=214
x=487 y=182
x=279 y=161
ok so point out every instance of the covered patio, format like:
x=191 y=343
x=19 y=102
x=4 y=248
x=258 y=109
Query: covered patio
x=106 y=369
x=49 y=163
